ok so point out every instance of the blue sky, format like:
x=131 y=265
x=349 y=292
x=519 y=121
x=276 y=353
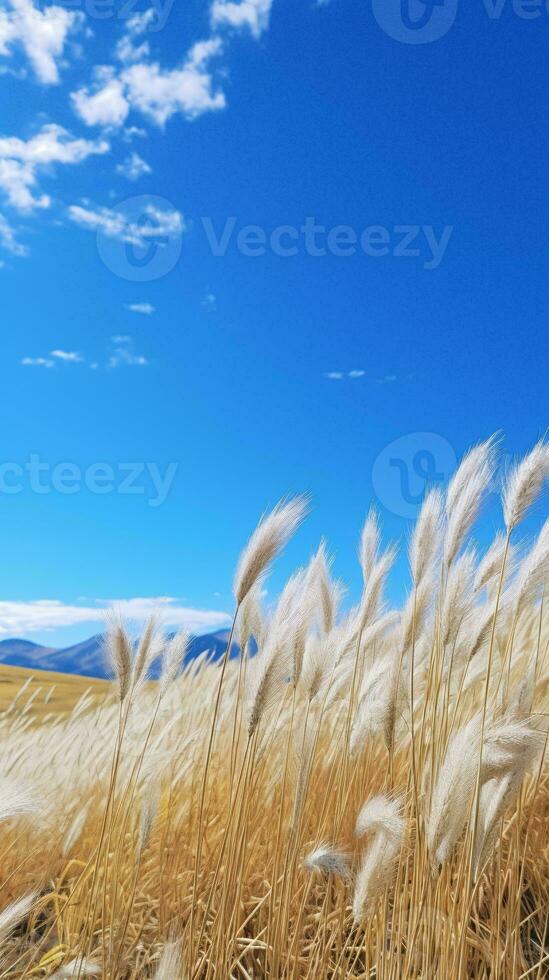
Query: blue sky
x=387 y=308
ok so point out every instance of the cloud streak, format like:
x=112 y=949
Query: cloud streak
x=39 y=615
x=342 y=375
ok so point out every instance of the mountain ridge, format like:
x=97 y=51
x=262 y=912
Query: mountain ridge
x=87 y=658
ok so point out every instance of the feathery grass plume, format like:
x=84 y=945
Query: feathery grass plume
x=292 y=616
x=318 y=664
x=477 y=631
x=413 y=616
x=328 y=592
x=172 y=660
x=511 y=750
x=458 y=596
x=465 y=495
x=250 y=618
x=522 y=698
x=119 y=649
x=170 y=966
x=345 y=640
x=381 y=817
x=269 y=537
x=149 y=810
x=373 y=590
x=524 y=484
x=15 y=800
x=369 y=718
x=453 y=792
x=395 y=697
x=507 y=744
x=14 y=914
x=369 y=543
x=143 y=655
x=329 y=861
x=533 y=571
x=77 y=968
x=426 y=539
x=267 y=673
x=495 y=796
x=489 y=567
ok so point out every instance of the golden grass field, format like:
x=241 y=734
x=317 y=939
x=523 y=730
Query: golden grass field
x=45 y=692
x=365 y=797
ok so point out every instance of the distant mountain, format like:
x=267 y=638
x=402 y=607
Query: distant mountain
x=88 y=658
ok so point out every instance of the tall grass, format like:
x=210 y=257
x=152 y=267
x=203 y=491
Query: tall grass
x=365 y=796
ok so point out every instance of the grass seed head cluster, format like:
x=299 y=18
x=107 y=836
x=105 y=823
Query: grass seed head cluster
x=363 y=792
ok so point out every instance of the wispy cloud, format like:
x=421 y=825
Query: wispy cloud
x=342 y=375
x=133 y=167
x=8 y=238
x=21 y=161
x=147 y=309
x=20 y=618
x=69 y=356
x=387 y=379
x=45 y=362
x=160 y=223
x=209 y=303
x=123 y=353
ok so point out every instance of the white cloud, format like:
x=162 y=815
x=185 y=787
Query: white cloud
x=116 y=224
x=341 y=375
x=387 y=379
x=156 y=92
x=127 y=49
x=45 y=362
x=123 y=354
x=22 y=160
x=8 y=239
x=69 y=356
x=147 y=309
x=133 y=132
x=252 y=15
x=105 y=104
x=19 y=618
x=41 y=33
x=133 y=167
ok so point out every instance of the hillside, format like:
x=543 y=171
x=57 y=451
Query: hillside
x=43 y=692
